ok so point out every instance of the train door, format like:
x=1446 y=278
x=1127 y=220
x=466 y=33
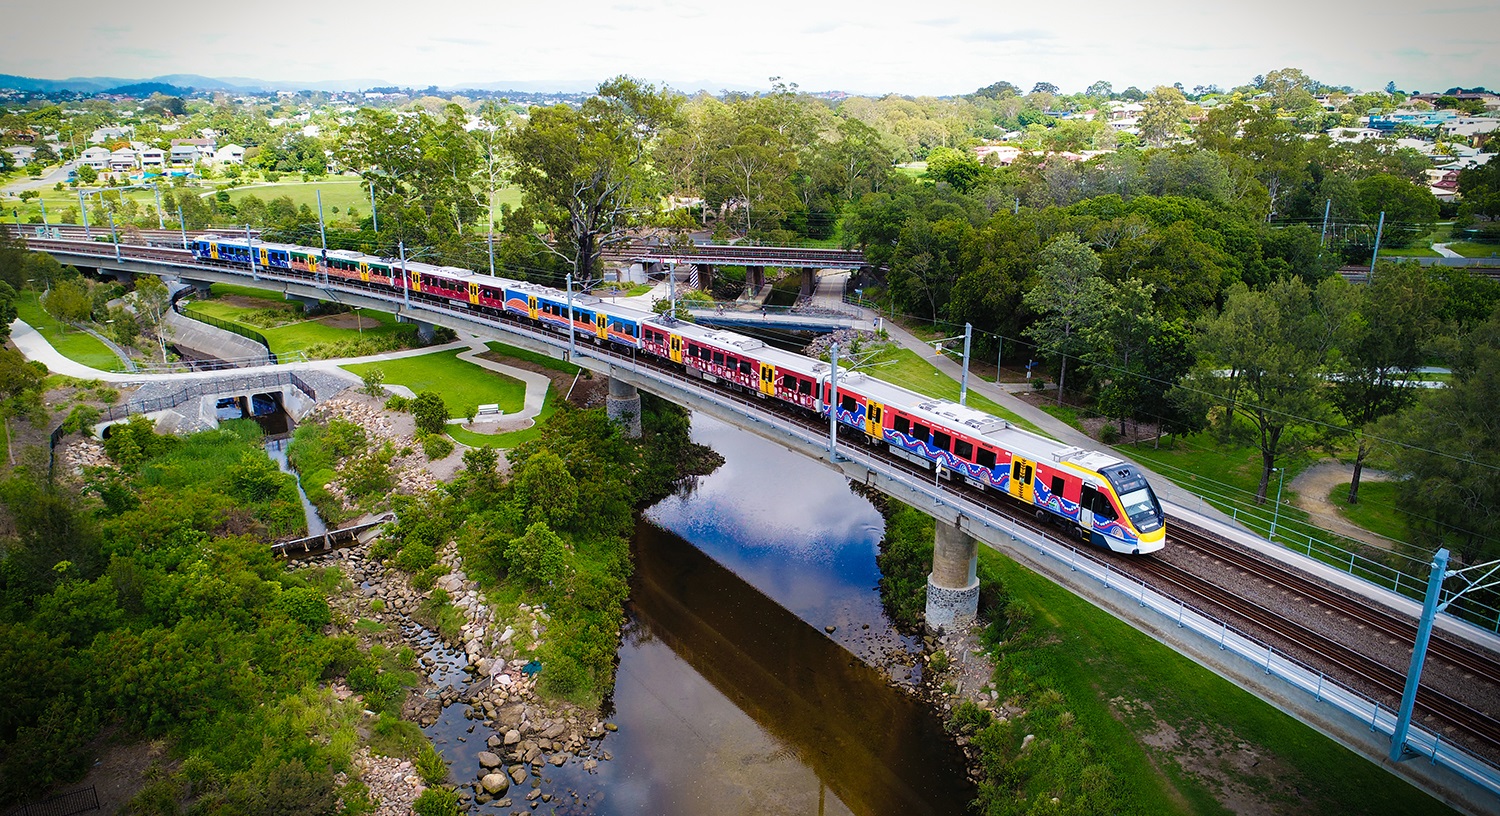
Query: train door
x=474 y=292
x=213 y=250
x=265 y=258
x=364 y=271
x=768 y=379
x=674 y=348
x=531 y=310
x=874 y=413
x=601 y=325
x=1021 y=472
x=416 y=281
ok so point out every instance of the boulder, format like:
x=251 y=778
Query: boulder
x=488 y=760
x=495 y=783
x=518 y=773
x=512 y=737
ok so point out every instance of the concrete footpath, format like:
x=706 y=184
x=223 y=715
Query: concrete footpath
x=35 y=347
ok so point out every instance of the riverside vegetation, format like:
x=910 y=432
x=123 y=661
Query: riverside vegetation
x=144 y=601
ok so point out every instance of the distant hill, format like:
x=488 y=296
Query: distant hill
x=181 y=82
x=149 y=88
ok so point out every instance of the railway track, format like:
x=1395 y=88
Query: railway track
x=1341 y=662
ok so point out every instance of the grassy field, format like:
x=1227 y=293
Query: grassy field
x=1170 y=735
x=341 y=192
x=78 y=346
x=462 y=384
x=509 y=439
x=1474 y=249
x=298 y=333
x=1376 y=510
x=1409 y=252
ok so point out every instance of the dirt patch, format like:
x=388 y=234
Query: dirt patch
x=120 y=771
x=1243 y=780
x=1132 y=431
x=587 y=393
x=349 y=320
x=1310 y=493
x=245 y=302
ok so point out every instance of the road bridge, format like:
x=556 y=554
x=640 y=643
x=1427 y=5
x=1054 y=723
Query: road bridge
x=964 y=516
x=706 y=258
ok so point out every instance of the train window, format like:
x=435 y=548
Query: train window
x=848 y=403
x=1086 y=497
x=901 y=424
x=718 y=358
x=986 y=458
x=804 y=387
x=942 y=440
x=745 y=367
x=788 y=382
x=1057 y=486
x=963 y=450
x=920 y=431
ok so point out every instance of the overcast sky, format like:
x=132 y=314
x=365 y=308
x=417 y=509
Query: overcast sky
x=870 y=46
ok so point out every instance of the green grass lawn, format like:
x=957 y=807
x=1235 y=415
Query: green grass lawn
x=1376 y=510
x=1409 y=252
x=1170 y=734
x=509 y=439
x=462 y=384
x=1474 y=249
x=532 y=357
x=300 y=333
x=340 y=192
x=78 y=346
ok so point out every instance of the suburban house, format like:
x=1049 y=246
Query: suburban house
x=124 y=159
x=229 y=154
x=22 y=136
x=996 y=154
x=1421 y=119
x=107 y=134
x=152 y=158
x=95 y=157
x=22 y=154
x=187 y=152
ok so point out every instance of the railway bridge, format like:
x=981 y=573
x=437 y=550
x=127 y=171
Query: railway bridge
x=964 y=517
x=706 y=258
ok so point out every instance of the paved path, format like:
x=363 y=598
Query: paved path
x=1443 y=250
x=34 y=346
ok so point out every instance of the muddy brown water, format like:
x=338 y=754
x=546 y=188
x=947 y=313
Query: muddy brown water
x=731 y=696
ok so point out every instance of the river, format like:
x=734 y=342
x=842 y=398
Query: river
x=732 y=696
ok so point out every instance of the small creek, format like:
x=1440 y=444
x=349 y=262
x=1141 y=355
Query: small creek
x=276 y=449
x=731 y=695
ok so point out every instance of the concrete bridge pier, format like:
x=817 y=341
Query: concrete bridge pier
x=809 y=280
x=425 y=330
x=705 y=276
x=308 y=303
x=201 y=289
x=623 y=406
x=953 y=585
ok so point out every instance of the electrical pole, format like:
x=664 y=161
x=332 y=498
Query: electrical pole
x=572 y=349
x=672 y=291
x=161 y=218
x=1376 y=254
x=113 y=235
x=88 y=234
x=374 y=224
x=833 y=402
x=1418 y=654
x=963 y=385
x=42 y=202
x=999 y=355
x=322 y=235
x=1327 y=206
x=250 y=247
x=182 y=221
x=405 y=281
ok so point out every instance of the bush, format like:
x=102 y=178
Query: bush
x=430 y=765
x=415 y=557
x=539 y=557
x=436 y=802
x=425 y=579
x=372 y=380
x=81 y=419
x=396 y=402
x=436 y=445
x=430 y=412
x=305 y=605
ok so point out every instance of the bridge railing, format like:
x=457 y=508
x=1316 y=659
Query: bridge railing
x=203 y=388
x=234 y=328
x=63 y=804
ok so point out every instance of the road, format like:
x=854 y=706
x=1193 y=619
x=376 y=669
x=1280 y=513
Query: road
x=45 y=180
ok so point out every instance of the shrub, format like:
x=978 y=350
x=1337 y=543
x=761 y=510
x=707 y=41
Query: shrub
x=305 y=605
x=436 y=802
x=372 y=380
x=538 y=557
x=396 y=402
x=415 y=557
x=939 y=661
x=425 y=579
x=430 y=765
x=81 y=419
x=429 y=412
x=1109 y=434
x=436 y=445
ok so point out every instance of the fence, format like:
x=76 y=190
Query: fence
x=63 y=804
x=204 y=388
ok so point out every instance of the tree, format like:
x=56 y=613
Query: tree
x=546 y=490
x=1397 y=316
x=583 y=172
x=87 y=174
x=1410 y=210
x=430 y=412
x=1448 y=470
x=12 y=258
x=1116 y=345
x=539 y=557
x=1068 y=297
x=8 y=312
x=998 y=90
x=151 y=302
x=1100 y=90
x=1044 y=87
x=69 y=301
x=959 y=169
x=1163 y=115
x=1262 y=359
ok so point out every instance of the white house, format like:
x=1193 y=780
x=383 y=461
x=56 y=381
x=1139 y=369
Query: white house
x=107 y=134
x=152 y=158
x=229 y=154
x=124 y=159
x=22 y=154
x=95 y=157
x=184 y=155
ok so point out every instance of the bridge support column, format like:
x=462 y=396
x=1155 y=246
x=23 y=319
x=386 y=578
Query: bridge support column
x=953 y=586
x=809 y=280
x=755 y=277
x=425 y=330
x=308 y=303
x=705 y=276
x=201 y=289
x=623 y=406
